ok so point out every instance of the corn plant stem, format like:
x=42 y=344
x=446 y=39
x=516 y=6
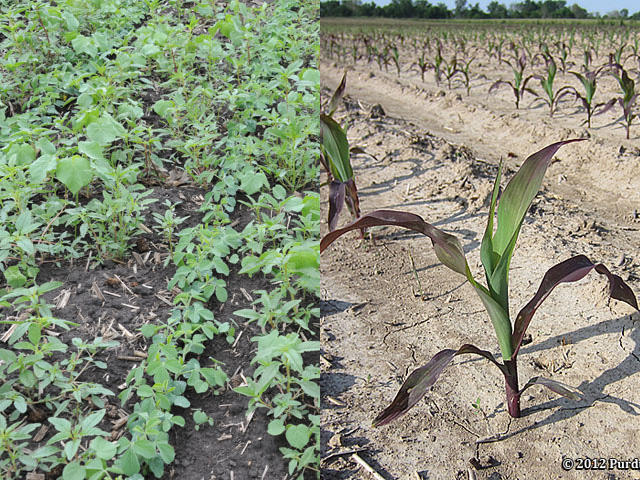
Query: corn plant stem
x=511 y=386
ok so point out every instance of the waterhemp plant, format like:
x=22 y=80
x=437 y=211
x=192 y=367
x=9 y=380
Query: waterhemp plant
x=495 y=252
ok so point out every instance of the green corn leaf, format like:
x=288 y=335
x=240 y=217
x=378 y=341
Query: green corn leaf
x=488 y=257
x=512 y=208
x=336 y=148
x=499 y=319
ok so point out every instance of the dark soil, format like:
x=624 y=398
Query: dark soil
x=135 y=293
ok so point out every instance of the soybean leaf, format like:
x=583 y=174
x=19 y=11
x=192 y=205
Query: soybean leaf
x=418 y=383
x=252 y=182
x=74 y=172
x=570 y=270
x=41 y=167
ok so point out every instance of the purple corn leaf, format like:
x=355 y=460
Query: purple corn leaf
x=570 y=270
x=352 y=199
x=448 y=250
x=337 y=95
x=418 y=383
x=555 y=386
x=336 y=202
x=361 y=150
x=501 y=82
x=447 y=247
x=604 y=107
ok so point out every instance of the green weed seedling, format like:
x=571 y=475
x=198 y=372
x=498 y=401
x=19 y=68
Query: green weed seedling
x=166 y=224
x=281 y=369
x=495 y=252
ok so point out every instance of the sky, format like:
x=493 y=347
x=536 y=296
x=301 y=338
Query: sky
x=591 y=5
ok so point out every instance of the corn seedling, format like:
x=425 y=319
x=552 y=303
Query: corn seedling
x=519 y=84
x=437 y=64
x=423 y=65
x=588 y=81
x=463 y=69
x=628 y=100
x=395 y=56
x=495 y=252
x=335 y=157
x=546 y=83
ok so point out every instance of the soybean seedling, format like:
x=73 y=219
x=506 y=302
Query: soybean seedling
x=495 y=252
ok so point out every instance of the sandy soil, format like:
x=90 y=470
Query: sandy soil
x=436 y=153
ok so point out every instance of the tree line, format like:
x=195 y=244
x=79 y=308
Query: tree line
x=424 y=9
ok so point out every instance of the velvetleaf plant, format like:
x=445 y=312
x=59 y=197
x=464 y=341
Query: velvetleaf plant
x=495 y=252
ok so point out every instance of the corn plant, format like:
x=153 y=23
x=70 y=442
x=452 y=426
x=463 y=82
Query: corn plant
x=547 y=85
x=519 y=84
x=423 y=65
x=563 y=54
x=437 y=64
x=588 y=81
x=495 y=252
x=335 y=157
x=463 y=69
x=450 y=70
x=629 y=96
x=395 y=56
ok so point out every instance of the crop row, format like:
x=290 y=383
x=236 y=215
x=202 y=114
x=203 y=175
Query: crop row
x=580 y=57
